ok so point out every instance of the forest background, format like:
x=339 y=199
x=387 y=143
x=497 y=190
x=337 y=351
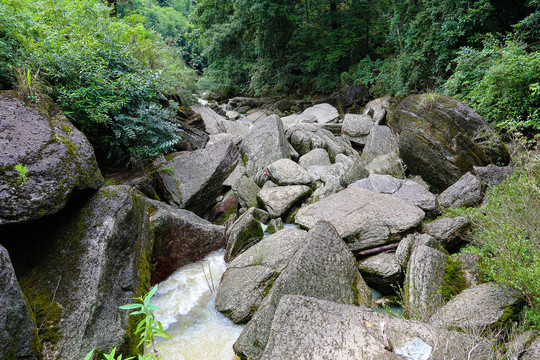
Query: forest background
x=121 y=69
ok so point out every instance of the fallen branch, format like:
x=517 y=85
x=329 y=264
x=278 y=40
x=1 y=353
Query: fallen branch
x=378 y=250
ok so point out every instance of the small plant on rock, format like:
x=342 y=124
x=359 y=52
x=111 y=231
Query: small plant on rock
x=148 y=328
x=23 y=171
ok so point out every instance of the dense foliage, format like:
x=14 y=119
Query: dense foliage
x=110 y=76
x=399 y=46
x=507 y=234
x=502 y=82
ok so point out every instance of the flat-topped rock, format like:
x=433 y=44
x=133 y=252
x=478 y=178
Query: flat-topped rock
x=287 y=172
x=277 y=200
x=323 y=113
x=363 y=218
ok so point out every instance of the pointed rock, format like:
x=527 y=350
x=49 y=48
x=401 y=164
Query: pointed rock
x=323 y=268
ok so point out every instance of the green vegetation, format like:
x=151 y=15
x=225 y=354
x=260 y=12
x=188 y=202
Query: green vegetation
x=113 y=78
x=501 y=82
x=454 y=281
x=464 y=48
x=507 y=234
x=121 y=72
x=147 y=329
x=23 y=171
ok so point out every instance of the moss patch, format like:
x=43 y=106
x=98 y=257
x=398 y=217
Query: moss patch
x=454 y=281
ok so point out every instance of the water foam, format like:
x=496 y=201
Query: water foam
x=188 y=313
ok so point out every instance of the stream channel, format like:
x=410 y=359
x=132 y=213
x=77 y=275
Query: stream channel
x=186 y=301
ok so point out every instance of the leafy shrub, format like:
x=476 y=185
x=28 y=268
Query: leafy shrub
x=507 y=234
x=500 y=82
x=108 y=75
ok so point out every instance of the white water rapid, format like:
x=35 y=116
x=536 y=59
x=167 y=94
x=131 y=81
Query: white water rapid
x=198 y=331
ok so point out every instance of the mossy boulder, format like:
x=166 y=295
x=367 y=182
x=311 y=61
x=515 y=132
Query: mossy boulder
x=57 y=157
x=441 y=139
x=18 y=332
x=478 y=308
x=78 y=267
x=245 y=232
x=181 y=237
x=424 y=281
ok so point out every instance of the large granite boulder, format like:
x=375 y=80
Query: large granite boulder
x=181 y=237
x=277 y=200
x=193 y=180
x=323 y=268
x=18 y=332
x=243 y=233
x=327 y=179
x=316 y=156
x=477 y=309
x=381 y=141
x=250 y=276
x=424 y=281
x=322 y=113
x=357 y=125
x=408 y=190
x=363 y=218
x=308 y=328
x=264 y=144
x=287 y=172
x=57 y=157
x=442 y=139
x=77 y=267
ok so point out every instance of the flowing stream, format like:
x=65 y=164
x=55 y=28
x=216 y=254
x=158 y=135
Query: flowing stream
x=188 y=314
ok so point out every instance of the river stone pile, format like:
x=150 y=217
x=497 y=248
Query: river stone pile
x=348 y=183
x=352 y=182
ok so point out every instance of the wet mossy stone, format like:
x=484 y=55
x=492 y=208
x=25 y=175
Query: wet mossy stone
x=442 y=139
x=58 y=158
x=181 y=238
x=18 y=332
x=83 y=264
